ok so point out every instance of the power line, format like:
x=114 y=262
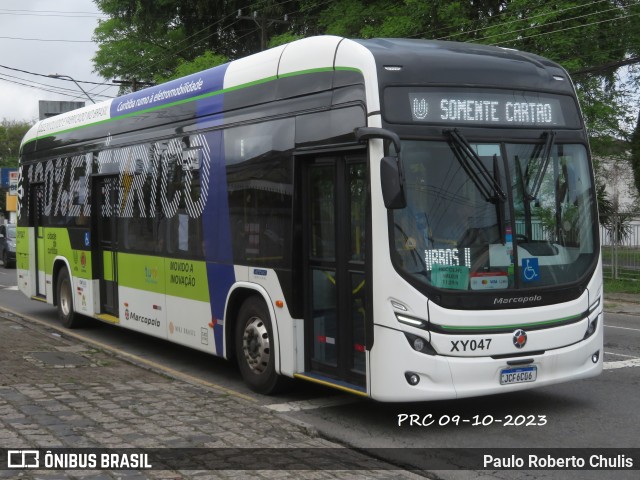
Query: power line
x=542 y=25
x=60 y=90
x=178 y=43
x=48 y=11
x=43 y=75
x=50 y=15
x=263 y=23
x=47 y=40
x=225 y=28
x=565 y=29
x=134 y=82
x=555 y=12
x=208 y=27
x=74 y=95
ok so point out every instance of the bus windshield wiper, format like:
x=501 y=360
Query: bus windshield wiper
x=499 y=205
x=526 y=196
x=549 y=137
x=472 y=164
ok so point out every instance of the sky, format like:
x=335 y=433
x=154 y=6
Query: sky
x=46 y=20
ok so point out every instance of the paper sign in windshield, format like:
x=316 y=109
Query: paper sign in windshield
x=450 y=276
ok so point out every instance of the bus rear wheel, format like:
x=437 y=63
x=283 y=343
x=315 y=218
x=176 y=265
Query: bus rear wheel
x=254 y=348
x=67 y=315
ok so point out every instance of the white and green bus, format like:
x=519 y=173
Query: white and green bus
x=404 y=220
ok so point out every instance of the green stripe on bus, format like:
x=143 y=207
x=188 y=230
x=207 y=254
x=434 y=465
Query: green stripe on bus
x=515 y=325
x=200 y=97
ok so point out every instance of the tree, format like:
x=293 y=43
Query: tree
x=184 y=67
x=149 y=39
x=11 y=134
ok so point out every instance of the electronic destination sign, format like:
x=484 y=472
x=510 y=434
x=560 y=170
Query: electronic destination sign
x=482 y=107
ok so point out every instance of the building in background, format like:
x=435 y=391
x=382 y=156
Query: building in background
x=49 y=108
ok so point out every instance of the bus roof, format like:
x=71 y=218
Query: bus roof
x=421 y=62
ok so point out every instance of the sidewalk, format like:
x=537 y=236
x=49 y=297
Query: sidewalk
x=622 y=303
x=56 y=392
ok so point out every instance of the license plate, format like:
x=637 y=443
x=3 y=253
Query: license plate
x=518 y=375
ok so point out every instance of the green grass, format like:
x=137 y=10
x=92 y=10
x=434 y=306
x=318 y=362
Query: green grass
x=621 y=286
x=631 y=255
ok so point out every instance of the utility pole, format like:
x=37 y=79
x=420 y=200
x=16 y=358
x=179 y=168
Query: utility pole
x=263 y=24
x=135 y=83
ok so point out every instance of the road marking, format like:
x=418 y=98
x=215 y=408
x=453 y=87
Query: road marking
x=133 y=358
x=312 y=404
x=624 y=328
x=635 y=362
x=620 y=355
x=15 y=287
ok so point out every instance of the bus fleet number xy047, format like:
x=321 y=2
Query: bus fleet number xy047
x=470 y=345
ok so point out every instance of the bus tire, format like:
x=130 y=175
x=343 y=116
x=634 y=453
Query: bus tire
x=254 y=347
x=67 y=315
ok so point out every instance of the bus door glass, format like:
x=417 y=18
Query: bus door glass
x=106 y=233
x=335 y=218
x=37 y=202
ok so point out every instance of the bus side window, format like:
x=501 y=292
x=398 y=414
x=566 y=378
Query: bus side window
x=259 y=176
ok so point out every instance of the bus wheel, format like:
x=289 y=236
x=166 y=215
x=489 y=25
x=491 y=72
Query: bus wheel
x=68 y=317
x=254 y=348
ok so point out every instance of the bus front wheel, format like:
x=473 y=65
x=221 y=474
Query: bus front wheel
x=68 y=317
x=254 y=348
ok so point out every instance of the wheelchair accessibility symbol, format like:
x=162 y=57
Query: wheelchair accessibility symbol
x=530 y=270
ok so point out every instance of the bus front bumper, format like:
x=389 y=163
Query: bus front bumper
x=443 y=377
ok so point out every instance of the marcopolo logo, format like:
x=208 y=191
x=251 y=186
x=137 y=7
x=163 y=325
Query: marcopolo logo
x=516 y=300
x=133 y=316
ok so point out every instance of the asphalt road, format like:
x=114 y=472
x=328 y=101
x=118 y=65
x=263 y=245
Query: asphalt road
x=598 y=413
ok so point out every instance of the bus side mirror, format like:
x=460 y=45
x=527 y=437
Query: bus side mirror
x=392 y=179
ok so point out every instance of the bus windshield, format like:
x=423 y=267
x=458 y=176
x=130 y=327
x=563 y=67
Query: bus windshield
x=453 y=235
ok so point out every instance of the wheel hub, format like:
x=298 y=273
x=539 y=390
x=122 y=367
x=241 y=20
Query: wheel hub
x=256 y=346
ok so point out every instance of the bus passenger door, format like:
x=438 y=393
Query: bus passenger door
x=335 y=198
x=37 y=202
x=105 y=241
